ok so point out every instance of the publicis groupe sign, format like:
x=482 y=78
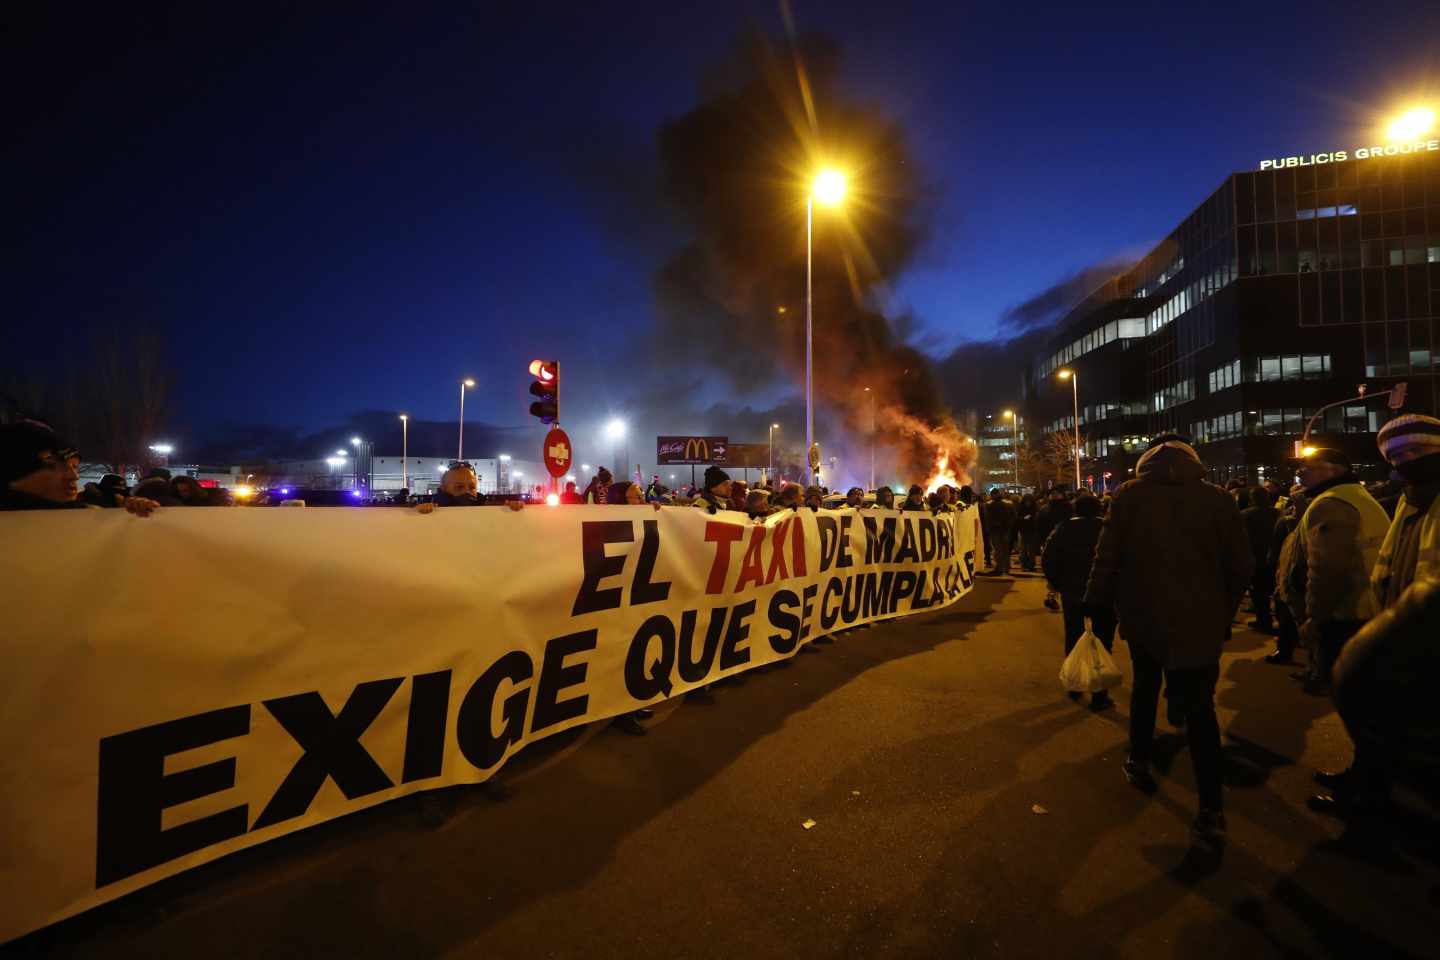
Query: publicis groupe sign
x=1362 y=153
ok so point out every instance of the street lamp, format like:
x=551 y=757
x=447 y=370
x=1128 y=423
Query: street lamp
x=1075 y=397
x=460 y=450
x=1014 y=444
x=1411 y=125
x=872 y=437
x=829 y=188
x=405 y=451
x=773 y=428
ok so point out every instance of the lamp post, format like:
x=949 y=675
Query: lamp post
x=405 y=451
x=829 y=189
x=1075 y=398
x=872 y=437
x=460 y=451
x=1014 y=444
x=771 y=474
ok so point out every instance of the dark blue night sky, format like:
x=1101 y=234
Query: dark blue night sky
x=329 y=211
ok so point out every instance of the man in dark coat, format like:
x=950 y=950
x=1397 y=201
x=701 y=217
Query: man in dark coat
x=1066 y=561
x=1174 y=561
x=1026 y=514
x=1000 y=530
x=1260 y=519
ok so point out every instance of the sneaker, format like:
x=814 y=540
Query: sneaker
x=1101 y=701
x=1208 y=830
x=1138 y=776
x=1278 y=659
x=1334 y=779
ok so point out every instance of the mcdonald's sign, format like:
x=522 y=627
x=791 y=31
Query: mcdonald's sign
x=697 y=450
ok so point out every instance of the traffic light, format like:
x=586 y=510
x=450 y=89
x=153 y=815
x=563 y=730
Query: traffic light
x=547 y=388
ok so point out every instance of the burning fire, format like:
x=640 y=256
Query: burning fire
x=943 y=475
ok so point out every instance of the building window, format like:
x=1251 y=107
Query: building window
x=1226 y=376
x=1313 y=366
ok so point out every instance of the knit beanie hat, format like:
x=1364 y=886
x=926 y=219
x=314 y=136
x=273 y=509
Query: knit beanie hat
x=1409 y=437
x=714 y=476
x=21 y=444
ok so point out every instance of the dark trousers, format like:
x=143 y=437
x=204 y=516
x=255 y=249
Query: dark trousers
x=1332 y=637
x=1004 y=544
x=1027 y=548
x=1262 y=588
x=1289 y=636
x=1194 y=688
x=1102 y=623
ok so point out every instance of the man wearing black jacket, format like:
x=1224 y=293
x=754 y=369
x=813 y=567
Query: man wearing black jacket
x=1260 y=519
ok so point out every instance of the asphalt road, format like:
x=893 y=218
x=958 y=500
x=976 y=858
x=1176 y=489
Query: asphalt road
x=921 y=750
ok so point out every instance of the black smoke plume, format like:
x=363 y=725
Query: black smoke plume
x=736 y=170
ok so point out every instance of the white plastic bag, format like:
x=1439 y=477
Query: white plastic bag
x=1089 y=668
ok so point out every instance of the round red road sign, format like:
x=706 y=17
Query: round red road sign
x=557 y=452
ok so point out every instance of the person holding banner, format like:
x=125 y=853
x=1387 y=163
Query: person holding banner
x=884 y=499
x=37 y=472
x=915 y=500
x=715 y=495
x=459 y=487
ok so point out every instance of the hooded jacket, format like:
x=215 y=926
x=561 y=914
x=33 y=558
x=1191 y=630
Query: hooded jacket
x=1173 y=559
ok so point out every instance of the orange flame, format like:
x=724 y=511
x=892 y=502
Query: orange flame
x=943 y=475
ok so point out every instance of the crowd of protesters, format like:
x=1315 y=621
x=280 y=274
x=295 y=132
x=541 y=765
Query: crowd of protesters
x=1345 y=572
x=1166 y=560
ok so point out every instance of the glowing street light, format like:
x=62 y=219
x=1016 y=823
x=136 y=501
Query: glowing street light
x=1075 y=398
x=460 y=450
x=341 y=452
x=829 y=188
x=164 y=449
x=354 y=441
x=1411 y=125
x=405 y=451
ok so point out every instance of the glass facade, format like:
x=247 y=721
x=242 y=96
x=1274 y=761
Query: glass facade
x=1283 y=292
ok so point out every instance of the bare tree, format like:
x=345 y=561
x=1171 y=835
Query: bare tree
x=131 y=390
x=1050 y=460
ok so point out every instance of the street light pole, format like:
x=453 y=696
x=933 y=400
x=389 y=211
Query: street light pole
x=460 y=450
x=771 y=472
x=1015 y=444
x=404 y=451
x=809 y=270
x=1075 y=398
x=872 y=437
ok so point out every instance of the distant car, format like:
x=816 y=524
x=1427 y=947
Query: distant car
x=312 y=498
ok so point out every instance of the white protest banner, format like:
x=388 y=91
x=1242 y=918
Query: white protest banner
x=181 y=687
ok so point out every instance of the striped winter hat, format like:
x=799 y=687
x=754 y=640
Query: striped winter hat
x=1409 y=437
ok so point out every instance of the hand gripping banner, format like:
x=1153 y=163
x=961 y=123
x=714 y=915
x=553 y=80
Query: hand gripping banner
x=184 y=686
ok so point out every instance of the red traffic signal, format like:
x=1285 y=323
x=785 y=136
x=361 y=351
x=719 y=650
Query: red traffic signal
x=547 y=388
